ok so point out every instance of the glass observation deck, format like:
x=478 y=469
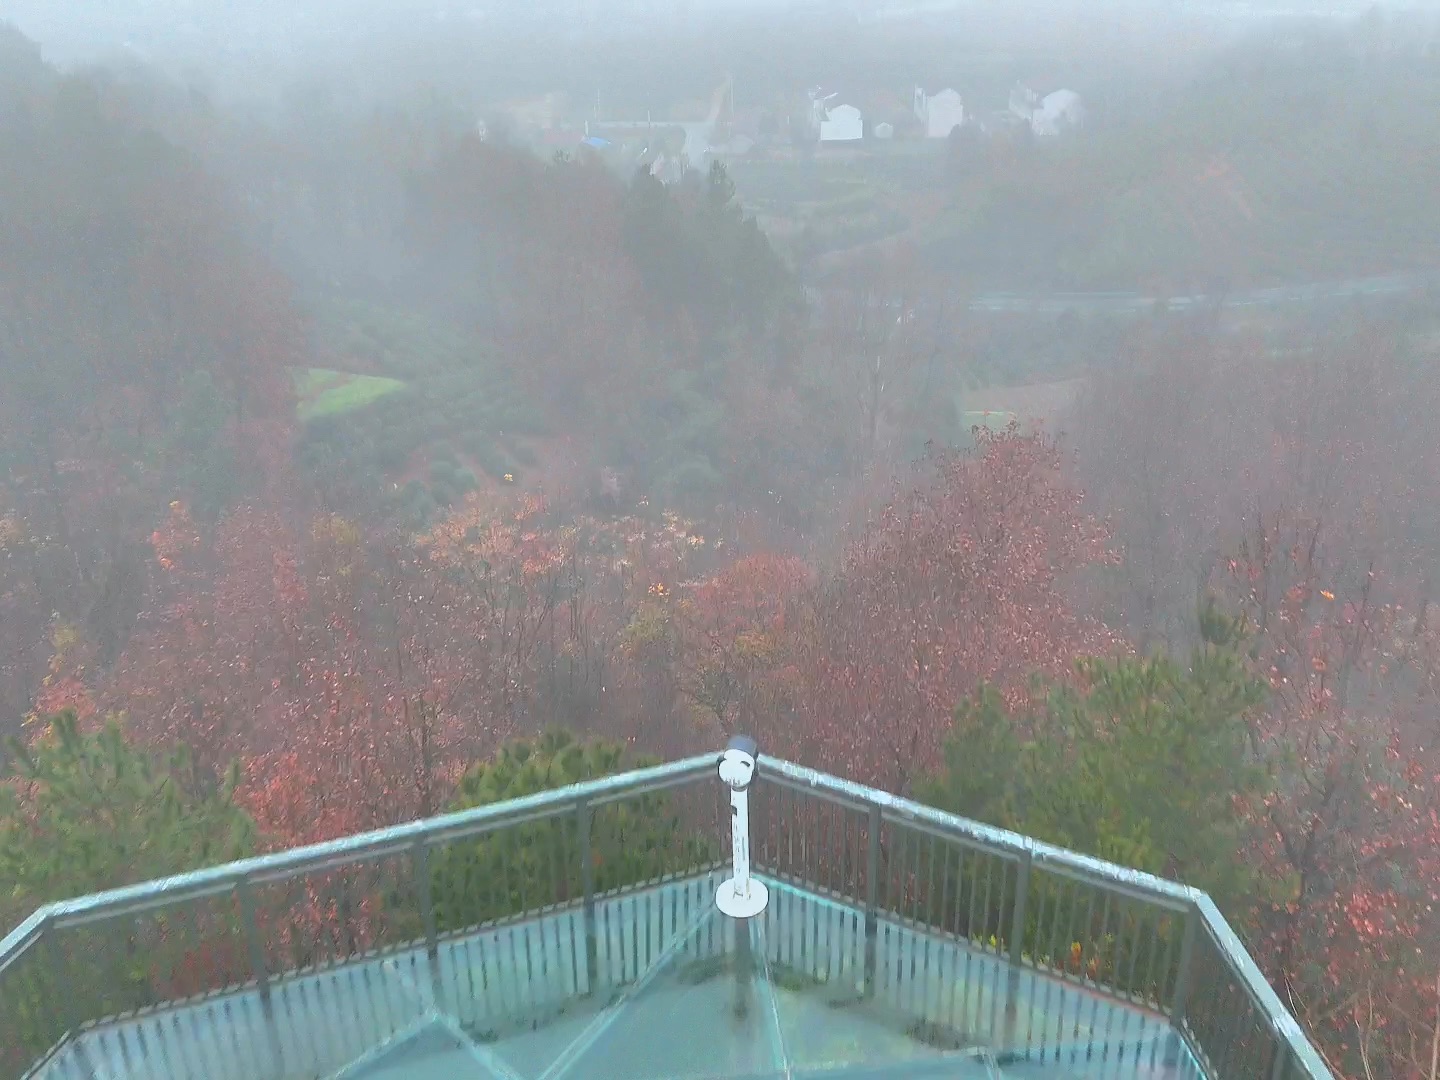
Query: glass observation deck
x=576 y=934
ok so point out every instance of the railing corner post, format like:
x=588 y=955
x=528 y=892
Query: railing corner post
x=1184 y=974
x=1280 y=1070
x=1287 y=1063
x=64 y=989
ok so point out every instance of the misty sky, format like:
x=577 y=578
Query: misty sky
x=77 y=29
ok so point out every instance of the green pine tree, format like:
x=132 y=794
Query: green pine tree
x=522 y=868
x=82 y=812
x=85 y=812
x=1142 y=765
x=1145 y=764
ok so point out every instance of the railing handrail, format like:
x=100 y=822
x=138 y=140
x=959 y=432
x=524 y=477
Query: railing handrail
x=1286 y=1027
x=1045 y=855
x=393 y=838
x=1073 y=863
x=476 y=821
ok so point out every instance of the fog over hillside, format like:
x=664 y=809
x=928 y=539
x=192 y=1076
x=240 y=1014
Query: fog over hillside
x=1027 y=409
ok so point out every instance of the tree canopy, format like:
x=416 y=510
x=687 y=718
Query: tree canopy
x=84 y=810
x=518 y=869
x=1145 y=762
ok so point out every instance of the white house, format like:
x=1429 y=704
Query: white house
x=940 y=113
x=842 y=124
x=835 y=124
x=1058 y=112
x=1048 y=115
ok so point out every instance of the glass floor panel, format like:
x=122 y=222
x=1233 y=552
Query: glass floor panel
x=670 y=989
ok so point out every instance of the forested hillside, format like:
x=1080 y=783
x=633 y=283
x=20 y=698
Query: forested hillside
x=1276 y=165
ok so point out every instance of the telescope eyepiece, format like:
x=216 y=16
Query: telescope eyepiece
x=739 y=762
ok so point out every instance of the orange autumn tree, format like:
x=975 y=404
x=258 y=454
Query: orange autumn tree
x=957 y=582
x=571 y=600
x=207 y=663
x=381 y=712
x=335 y=669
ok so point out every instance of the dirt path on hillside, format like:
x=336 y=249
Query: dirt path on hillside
x=1045 y=402
x=923 y=210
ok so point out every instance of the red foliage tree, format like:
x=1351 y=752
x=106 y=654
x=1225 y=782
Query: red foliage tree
x=734 y=631
x=960 y=581
x=332 y=671
x=145 y=354
x=1303 y=486
x=356 y=676
x=1348 y=831
x=576 y=599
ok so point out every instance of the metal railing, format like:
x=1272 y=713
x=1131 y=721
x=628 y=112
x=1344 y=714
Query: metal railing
x=1132 y=936
x=1042 y=914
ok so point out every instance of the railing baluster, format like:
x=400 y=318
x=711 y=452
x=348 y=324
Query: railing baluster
x=64 y=992
x=824 y=818
x=1281 y=1068
x=789 y=872
x=872 y=887
x=1104 y=970
x=1069 y=936
x=252 y=940
x=1137 y=918
x=258 y=968
x=973 y=932
x=1056 y=889
x=1155 y=983
x=1167 y=947
x=992 y=929
x=510 y=896
x=1017 y=946
x=931 y=899
x=587 y=886
x=943 y=910
x=421 y=863
x=1186 y=971
x=907 y=843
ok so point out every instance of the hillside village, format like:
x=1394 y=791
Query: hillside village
x=689 y=135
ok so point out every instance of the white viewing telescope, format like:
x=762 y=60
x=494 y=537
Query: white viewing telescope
x=741 y=896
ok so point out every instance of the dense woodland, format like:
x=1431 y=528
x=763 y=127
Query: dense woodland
x=624 y=490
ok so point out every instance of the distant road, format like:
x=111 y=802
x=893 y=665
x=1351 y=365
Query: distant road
x=1134 y=303
x=1130 y=303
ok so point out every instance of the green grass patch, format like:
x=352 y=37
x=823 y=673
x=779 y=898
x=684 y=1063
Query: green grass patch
x=323 y=392
x=310 y=382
